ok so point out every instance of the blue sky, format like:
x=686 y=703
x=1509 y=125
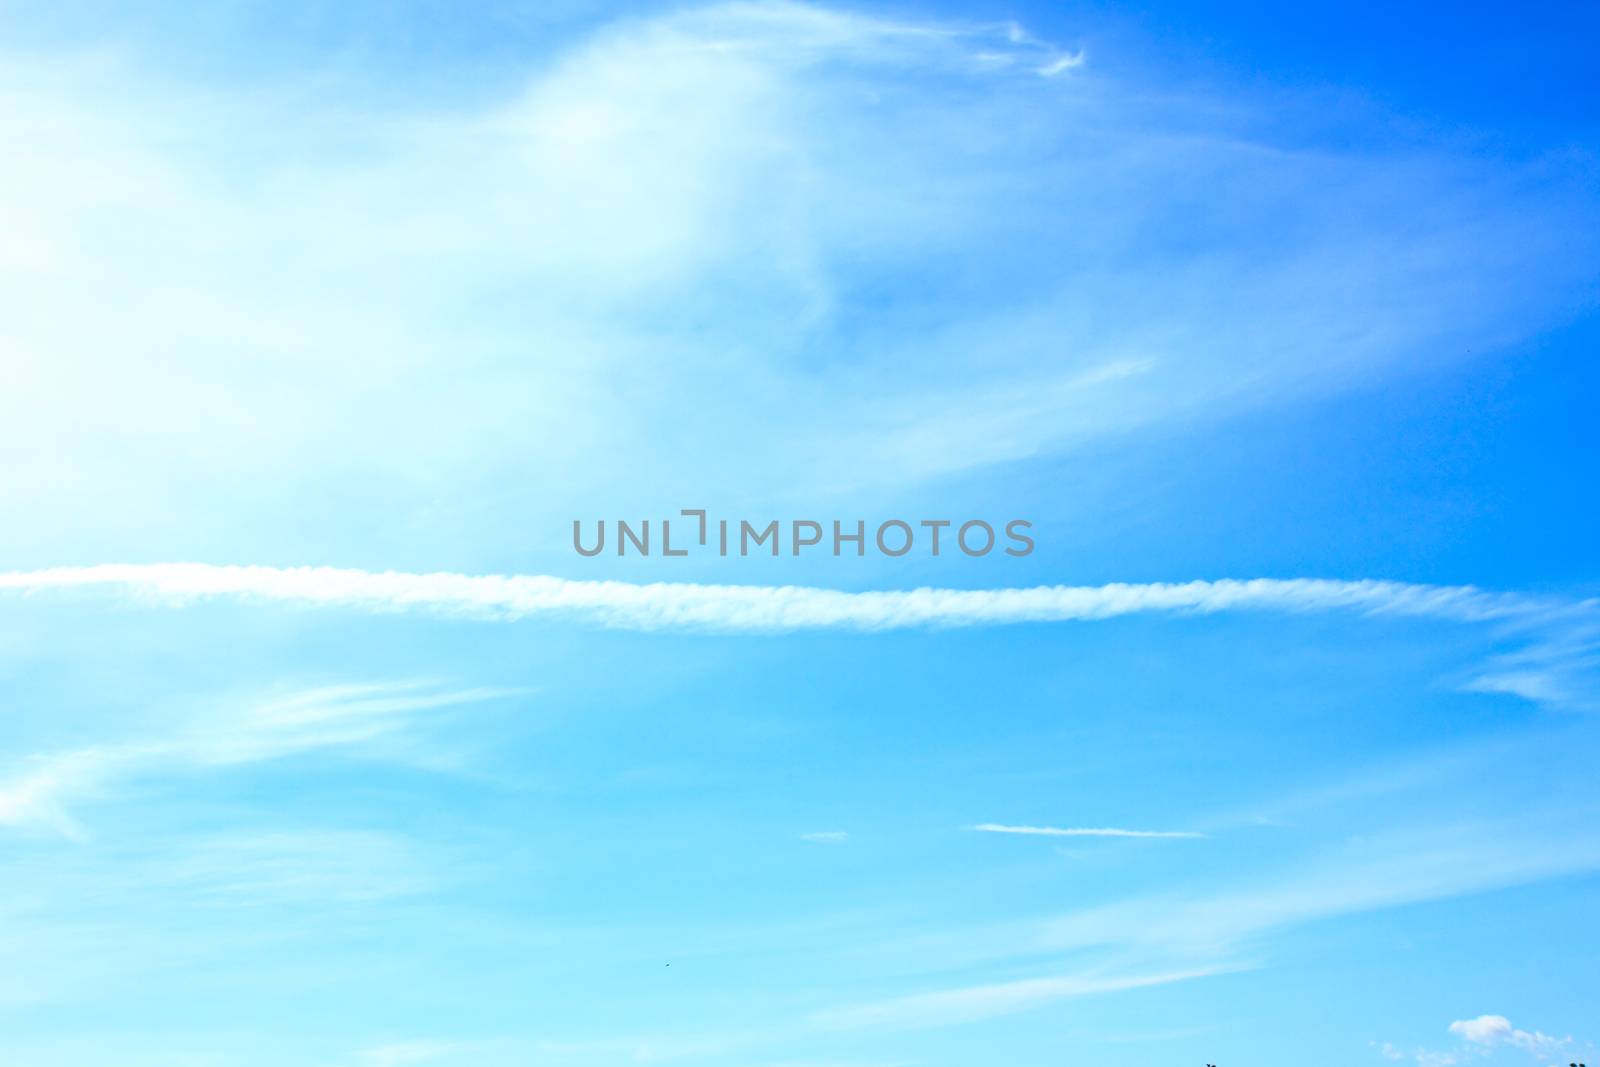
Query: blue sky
x=1277 y=325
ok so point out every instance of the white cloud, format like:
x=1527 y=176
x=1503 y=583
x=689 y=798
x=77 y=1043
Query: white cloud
x=1062 y=64
x=1557 y=669
x=1180 y=936
x=673 y=234
x=975 y=1003
x=326 y=717
x=660 y=605
x=1364 y=874
x=1079 y=831
x=826 y=837
x=1481 y=1038
x=1484 y=1030
x=1560 y=634
x=1490 y=1031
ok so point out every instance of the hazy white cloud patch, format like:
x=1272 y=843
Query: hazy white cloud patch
x=1491 y=1031
x=415 y=1052
x=699 y=212
x=41 y=789
x=971 y=1004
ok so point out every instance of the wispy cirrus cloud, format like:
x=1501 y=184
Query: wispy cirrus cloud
x=275 y=867
x=1202 y=932
x=1127 y=246
x=1560 y=637
x=662 y=605
x=1361 y=875
x=42 y=789
x=975 y=1003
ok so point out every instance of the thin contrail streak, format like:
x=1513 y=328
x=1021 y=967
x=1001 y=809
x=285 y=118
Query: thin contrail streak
x=1081 y=831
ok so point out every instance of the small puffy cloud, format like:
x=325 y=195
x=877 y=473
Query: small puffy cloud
x=1480 y=1039
x=1490 y=1031
x=1484 y=1030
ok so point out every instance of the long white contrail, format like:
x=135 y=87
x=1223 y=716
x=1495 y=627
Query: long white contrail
x=764 y=608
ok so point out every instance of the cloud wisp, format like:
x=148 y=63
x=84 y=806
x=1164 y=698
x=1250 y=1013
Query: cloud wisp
x=326 y=717
x=1555 y=665
x=1081 y=831
x=775 y=609
x=1171 y=937
x=1128 y=268
x=975 y=1003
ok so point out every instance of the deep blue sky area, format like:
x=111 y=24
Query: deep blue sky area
x=1434 y=478
x=1518 y=74
x=1518 y=77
